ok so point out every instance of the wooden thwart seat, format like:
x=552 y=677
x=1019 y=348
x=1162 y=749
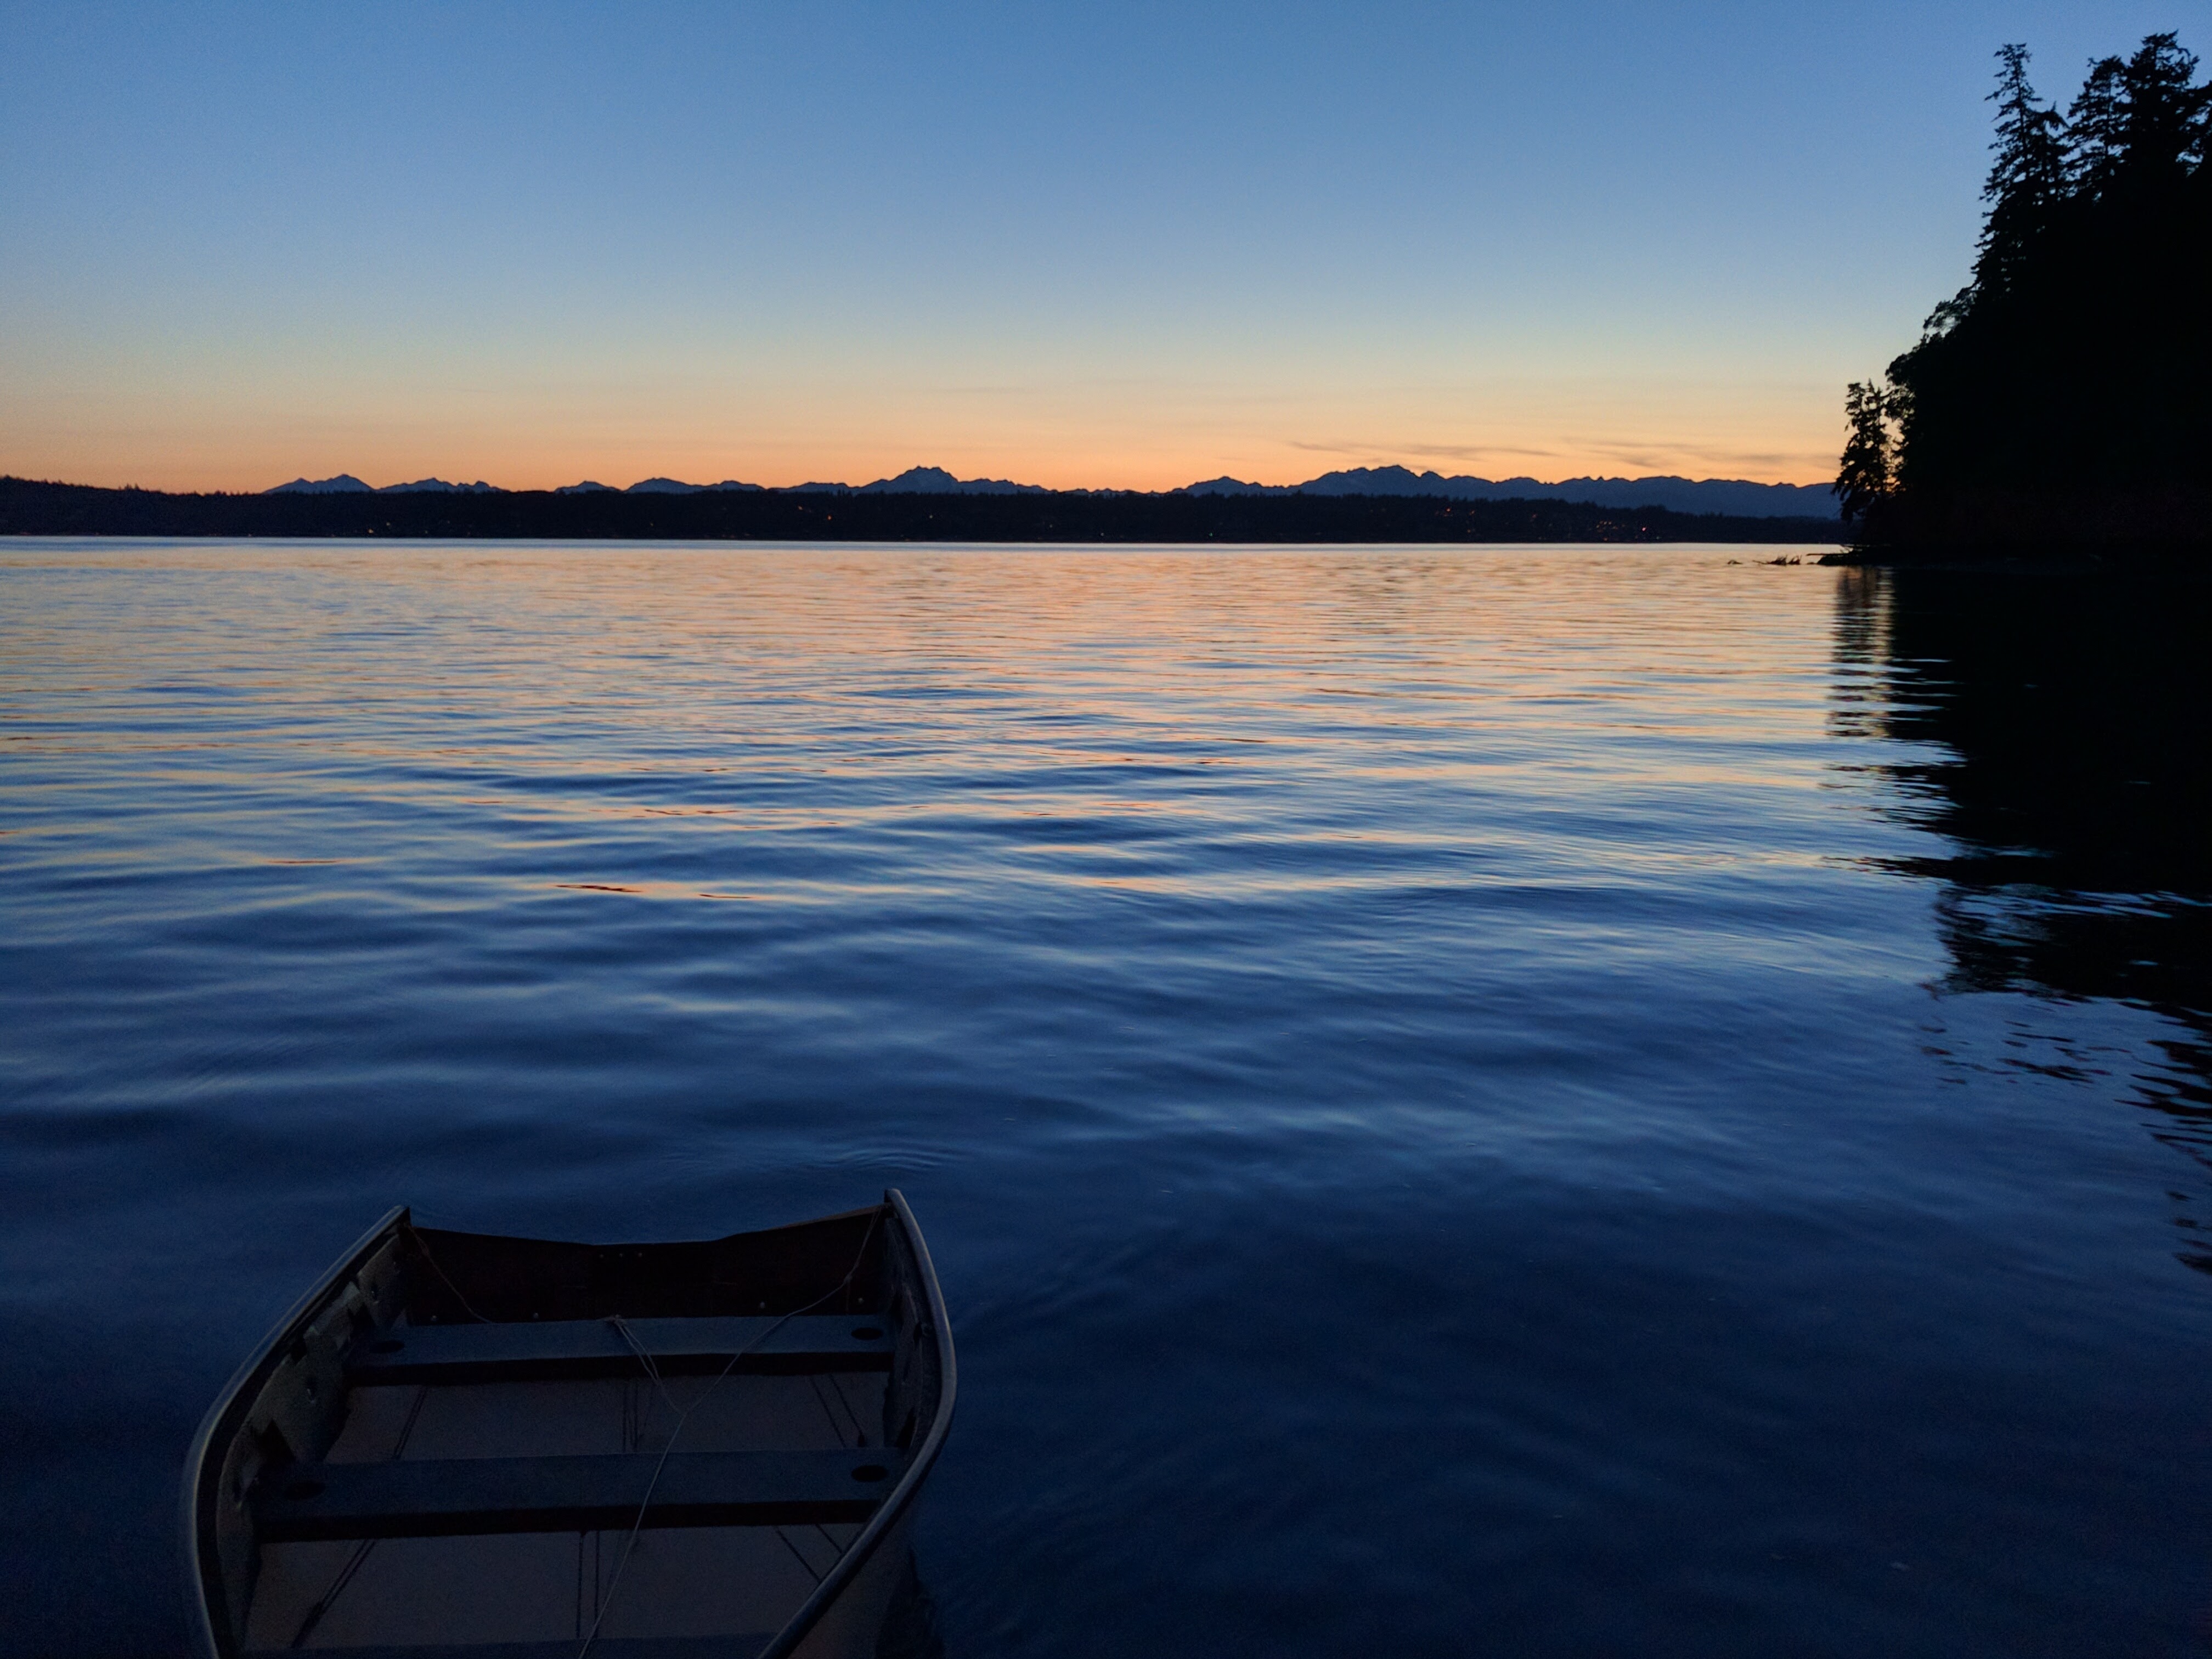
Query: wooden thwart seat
x=433 y=1499
x=570 y=1349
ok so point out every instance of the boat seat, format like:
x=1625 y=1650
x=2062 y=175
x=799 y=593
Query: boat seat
x=566 y=1349
x=438 y=1499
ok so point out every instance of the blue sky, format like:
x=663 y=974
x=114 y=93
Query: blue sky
x=1127 y=244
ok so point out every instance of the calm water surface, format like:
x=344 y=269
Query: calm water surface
x=1553 y=1101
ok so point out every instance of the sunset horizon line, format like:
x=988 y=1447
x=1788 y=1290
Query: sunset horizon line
x=932 y=477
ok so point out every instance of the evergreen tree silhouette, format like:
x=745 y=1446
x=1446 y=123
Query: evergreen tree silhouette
x=2066 y=389
x=2027 y=181
x=1867 y=472
x=2149 y=121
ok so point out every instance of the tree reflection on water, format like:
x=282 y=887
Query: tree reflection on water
x=2064 y=722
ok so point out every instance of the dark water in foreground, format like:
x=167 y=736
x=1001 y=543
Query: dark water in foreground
x=1533 y=1102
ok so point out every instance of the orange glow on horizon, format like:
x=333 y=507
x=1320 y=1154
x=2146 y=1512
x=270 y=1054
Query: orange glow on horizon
x=187 y=464
x=250 y=437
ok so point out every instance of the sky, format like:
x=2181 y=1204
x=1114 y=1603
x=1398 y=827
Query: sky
x=1077 y=245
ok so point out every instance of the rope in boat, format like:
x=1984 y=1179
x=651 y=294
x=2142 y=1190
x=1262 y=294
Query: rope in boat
x=860 y=1434
x=652 y=1369
x=355 y=1562
x=799 y=1555
x=629 y=1542
x=359 y=1558
x=415 y=1234
x=360 y=1553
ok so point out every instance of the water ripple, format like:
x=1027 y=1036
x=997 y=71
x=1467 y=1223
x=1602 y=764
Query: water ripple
x=1437 y=1078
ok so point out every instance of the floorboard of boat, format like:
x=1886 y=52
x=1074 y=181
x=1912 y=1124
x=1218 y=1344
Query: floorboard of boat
x=635 y=1414
x=543 y=1589
x=409 y=1499
x=565 y=1348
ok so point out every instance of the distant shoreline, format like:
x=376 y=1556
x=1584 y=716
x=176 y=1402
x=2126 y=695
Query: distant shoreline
x=30 y=507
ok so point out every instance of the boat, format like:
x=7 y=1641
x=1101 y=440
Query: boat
x=466 y=1446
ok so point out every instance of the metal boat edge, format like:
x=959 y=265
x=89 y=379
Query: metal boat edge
x=207 y=1599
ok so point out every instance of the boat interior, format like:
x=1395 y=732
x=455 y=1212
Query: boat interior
x=465 y=1446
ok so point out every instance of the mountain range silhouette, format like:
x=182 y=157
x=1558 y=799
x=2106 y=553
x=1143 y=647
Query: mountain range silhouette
x=346 y=484
x=1737 y=497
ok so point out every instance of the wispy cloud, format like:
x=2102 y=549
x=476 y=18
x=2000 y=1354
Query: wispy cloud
x=1633 y=457
x=1423 y=452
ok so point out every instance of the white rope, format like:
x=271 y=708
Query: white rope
x=629 y=1543
x=362 y=1550
x=651 y=1369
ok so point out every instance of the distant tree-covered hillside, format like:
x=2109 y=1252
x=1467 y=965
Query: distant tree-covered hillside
x=2065 y=393
x=30 y=507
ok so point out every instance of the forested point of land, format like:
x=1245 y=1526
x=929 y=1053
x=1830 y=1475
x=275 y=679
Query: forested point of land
x=2062 y=400
x=28 y=508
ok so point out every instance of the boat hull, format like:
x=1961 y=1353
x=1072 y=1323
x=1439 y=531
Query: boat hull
x=519 y=1448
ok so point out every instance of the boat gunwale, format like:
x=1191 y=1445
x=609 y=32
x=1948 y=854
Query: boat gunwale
x=902 y=1496
x=204 y=1595
x=238 y=1396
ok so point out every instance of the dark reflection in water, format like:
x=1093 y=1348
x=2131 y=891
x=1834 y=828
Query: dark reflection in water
x=910 y=1630
x=2070 y=720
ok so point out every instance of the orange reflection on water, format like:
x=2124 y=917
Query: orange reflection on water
x=1263 y=699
